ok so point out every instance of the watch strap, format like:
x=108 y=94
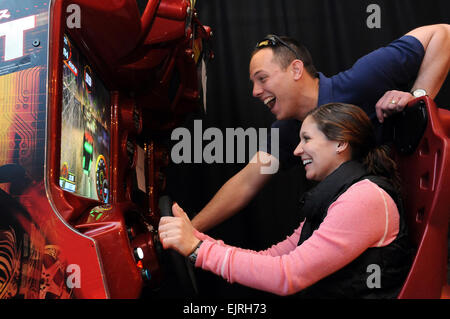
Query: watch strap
x=192 y=257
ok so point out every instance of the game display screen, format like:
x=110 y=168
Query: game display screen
x=85 y=135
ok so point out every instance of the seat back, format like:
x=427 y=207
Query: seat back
x=422 y=139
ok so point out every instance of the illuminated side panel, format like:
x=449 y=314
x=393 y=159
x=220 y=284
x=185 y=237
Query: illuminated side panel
x=21 y=123
x=22 y=144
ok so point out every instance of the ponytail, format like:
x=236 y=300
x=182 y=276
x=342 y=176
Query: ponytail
x=379 y=162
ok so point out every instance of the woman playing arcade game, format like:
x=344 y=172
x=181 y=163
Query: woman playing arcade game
x=353 y=242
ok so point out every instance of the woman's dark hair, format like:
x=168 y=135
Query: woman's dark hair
x=348 y=123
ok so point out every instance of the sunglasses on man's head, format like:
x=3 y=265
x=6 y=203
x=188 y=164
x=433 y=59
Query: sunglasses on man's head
x=274 y=41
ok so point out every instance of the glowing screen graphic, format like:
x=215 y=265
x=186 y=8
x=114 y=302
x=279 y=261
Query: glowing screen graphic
x=85 y=135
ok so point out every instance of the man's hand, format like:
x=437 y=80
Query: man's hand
x=177 y=232
x=392 y=102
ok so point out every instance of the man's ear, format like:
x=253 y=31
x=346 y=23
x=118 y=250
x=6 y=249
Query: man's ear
x=297 y=68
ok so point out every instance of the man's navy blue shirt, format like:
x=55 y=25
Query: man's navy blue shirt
x=393 y=67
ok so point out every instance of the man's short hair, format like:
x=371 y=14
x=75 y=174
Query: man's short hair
x=285 y=50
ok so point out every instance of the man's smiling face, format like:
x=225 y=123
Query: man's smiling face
x=273 y=85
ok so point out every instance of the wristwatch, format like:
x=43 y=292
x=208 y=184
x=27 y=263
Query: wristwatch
x=192 y=257
x=419 y=92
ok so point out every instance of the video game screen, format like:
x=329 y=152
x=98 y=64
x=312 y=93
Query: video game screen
x=85 y=135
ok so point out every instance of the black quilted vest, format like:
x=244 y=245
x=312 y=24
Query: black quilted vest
x=394 y=260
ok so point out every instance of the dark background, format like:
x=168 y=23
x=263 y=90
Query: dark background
x=336 y=33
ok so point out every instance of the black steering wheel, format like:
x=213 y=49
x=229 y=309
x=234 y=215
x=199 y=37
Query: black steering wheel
x=182 y=269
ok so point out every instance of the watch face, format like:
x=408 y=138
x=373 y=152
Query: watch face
x=192 y=258
x=419 y=93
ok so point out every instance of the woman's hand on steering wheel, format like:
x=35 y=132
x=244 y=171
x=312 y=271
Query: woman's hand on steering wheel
x=177 y=232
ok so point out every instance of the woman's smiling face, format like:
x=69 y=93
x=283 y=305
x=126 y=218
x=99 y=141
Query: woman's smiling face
x=319 y=155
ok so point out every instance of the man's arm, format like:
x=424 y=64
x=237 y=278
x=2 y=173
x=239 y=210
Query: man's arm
x=435 y=66
x=235 y=193
x=436 y=62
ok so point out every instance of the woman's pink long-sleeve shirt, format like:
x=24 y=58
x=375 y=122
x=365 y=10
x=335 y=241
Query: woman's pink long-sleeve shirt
x=362 y=217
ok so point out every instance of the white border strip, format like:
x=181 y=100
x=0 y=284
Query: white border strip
x=225 y=260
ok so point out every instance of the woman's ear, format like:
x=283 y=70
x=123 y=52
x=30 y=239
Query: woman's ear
x=297 y=69
x=342 y=147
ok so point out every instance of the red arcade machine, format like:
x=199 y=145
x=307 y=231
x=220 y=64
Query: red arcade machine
x=86 y=88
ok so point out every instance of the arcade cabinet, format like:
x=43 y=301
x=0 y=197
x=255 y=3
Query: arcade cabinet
x=89 y=89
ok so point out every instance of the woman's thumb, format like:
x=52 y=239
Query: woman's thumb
x=177 y=211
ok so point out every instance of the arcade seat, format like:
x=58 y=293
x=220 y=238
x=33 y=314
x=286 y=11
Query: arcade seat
x=422 y=143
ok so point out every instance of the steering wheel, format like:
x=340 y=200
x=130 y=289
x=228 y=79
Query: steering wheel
x=182 y=268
